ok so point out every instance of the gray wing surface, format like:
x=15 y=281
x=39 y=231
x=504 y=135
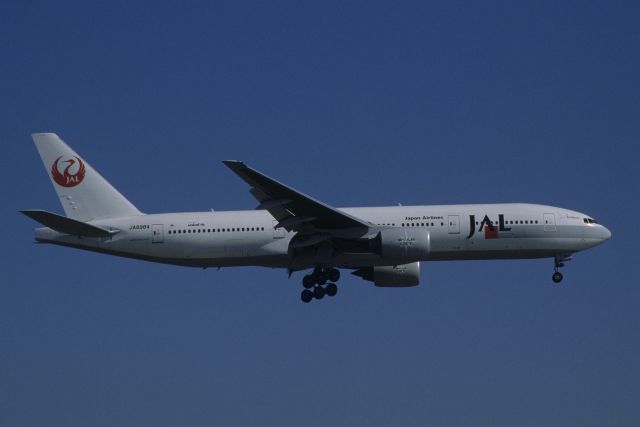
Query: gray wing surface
x=295 y=211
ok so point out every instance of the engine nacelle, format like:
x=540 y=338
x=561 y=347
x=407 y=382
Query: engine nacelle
x=399 y=276
x=410 y=244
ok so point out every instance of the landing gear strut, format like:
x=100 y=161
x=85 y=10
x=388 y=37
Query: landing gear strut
x=559 y=261
x=314 y=284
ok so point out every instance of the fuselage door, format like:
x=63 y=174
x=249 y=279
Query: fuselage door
x=157 y=233
x=549 y=222
x=454 y=224
x=278 y=233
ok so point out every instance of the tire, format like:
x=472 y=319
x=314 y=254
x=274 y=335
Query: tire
x=334 y=275
x=306 y=296
x=318 y=292
x=331 y=289
x=308 y=281
x=557 y=277
x=321 y=278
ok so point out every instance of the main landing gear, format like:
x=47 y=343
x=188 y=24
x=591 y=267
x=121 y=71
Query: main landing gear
x=316 y=285
x=559 y=261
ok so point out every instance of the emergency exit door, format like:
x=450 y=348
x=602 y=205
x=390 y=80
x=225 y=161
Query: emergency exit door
x=157 y=233
x=549 y=222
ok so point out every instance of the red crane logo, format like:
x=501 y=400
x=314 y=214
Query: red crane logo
x=68 y=178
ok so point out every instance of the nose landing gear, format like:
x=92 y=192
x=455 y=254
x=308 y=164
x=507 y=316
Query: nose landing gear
x=314 y=284
x=559 y=261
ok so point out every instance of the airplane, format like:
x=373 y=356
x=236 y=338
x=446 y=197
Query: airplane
x=293 y=231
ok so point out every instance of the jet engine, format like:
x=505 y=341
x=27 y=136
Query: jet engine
x=398 y=276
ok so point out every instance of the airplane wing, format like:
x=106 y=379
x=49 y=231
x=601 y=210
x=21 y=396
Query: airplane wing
x=295 y=211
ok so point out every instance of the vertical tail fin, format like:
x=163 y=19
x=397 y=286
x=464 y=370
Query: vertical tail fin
x=85 y=195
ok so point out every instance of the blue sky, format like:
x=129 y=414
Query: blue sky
x=355 y=103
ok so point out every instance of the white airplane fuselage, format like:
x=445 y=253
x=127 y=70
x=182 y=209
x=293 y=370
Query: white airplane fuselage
x=292 y=230
x=248 y=238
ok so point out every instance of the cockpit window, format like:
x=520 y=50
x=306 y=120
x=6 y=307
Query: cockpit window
x=586 y=221
x=589 y=221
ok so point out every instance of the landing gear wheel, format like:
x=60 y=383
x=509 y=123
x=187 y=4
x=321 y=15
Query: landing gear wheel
x=321 y=278
x=557 y=277
x=331 y=289
x=334 y=275
x=308 y=281
x=306 y=296
x=318 y=292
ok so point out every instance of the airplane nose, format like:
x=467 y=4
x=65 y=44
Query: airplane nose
x=596 y=235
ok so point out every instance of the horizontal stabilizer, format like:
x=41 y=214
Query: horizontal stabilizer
x=65 y=225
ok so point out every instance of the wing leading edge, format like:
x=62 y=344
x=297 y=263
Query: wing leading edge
x=295 y=211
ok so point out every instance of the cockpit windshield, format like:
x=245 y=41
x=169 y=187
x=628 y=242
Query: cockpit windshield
x=589 y=221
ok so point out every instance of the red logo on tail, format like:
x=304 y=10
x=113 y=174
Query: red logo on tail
x=72 y=175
